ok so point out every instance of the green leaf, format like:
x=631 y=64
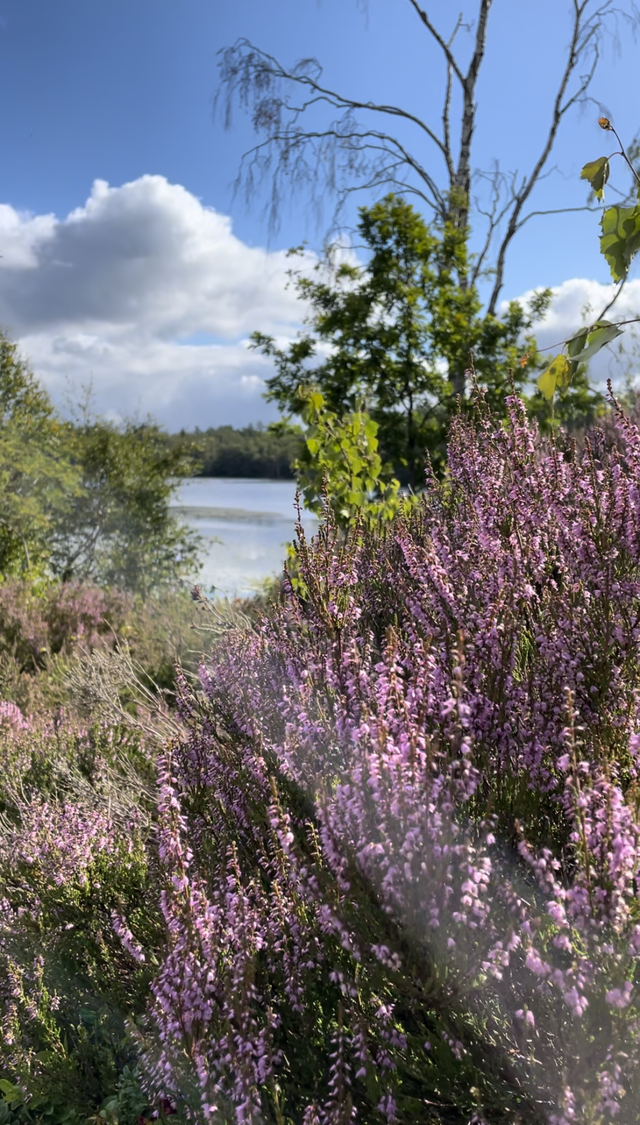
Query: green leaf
x=601 y=334
x=577 y=342
x=597 y=173
x=556 y=377
x=14 y=1095
x=620 y=238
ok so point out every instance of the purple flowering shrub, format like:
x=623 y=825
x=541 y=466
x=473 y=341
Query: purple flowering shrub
x=75 y=826
x=64 y=616
x=43 y=631
x=390 y=872
x=400 y=834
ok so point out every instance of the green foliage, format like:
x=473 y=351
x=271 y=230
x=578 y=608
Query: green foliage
x=121 y=531
x=38 y=484
x=129 y=1105
x=556 y=377
x=619 y=244
x=341 y=466
x=597 y=174
x=251 y=451
x=397 y=335
x=620 y=238
x=578 y=408
x=88 y=501
x=582 y=346
x=585 y=344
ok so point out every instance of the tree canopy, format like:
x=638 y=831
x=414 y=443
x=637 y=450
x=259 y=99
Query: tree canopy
x=38 y=483
x=88 y=500
x=390 y=335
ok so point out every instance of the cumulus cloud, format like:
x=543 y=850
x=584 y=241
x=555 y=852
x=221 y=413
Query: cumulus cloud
x=149 y=296
x=580 y=301
x=20 y=237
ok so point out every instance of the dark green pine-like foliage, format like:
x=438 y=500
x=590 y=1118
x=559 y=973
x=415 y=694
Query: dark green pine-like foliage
x=249 y=451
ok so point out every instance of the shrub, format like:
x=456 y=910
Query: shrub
x=44 y=630
x=401 y=831
x=391 y=872
x=74 y=854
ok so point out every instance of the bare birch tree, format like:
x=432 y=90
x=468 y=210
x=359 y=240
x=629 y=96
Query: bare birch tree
x=354 y=148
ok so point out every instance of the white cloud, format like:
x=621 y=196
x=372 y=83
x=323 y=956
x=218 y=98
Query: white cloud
x=20 y=236
x=580 y=301
x=150 y=297
x=181 y=385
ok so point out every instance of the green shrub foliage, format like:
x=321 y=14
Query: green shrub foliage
x=393 y=334
x=88 y=501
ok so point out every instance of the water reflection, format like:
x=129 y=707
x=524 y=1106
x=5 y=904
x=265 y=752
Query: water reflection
x=245 y=525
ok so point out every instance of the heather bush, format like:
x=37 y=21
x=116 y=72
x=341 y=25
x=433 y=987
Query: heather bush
x=45 y=629
x=37 y=624
x=390 y=869
x=76 y=814
x=401 y=826
x=78 y=849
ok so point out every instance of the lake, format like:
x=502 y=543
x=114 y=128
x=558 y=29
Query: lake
x=245 y=524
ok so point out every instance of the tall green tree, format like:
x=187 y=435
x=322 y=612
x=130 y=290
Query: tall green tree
x=38 y=483
x=390 y=334
x=89 y=500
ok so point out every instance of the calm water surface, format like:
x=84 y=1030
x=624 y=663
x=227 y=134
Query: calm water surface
x=245 y=525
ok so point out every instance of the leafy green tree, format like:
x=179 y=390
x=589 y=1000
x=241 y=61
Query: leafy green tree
x=392 y=334
x=38 y=483
x=324 y=143
x=86 y=501
x=121 y=531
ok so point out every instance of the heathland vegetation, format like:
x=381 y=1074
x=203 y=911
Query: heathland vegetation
x=378 y=860
x=366 y=849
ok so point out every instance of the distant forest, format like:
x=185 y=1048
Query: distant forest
x=252 y=451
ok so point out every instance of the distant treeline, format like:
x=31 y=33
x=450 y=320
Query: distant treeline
x=252 y=451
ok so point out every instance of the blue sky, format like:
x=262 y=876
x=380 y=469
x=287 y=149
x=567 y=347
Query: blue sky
x=121 y=93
